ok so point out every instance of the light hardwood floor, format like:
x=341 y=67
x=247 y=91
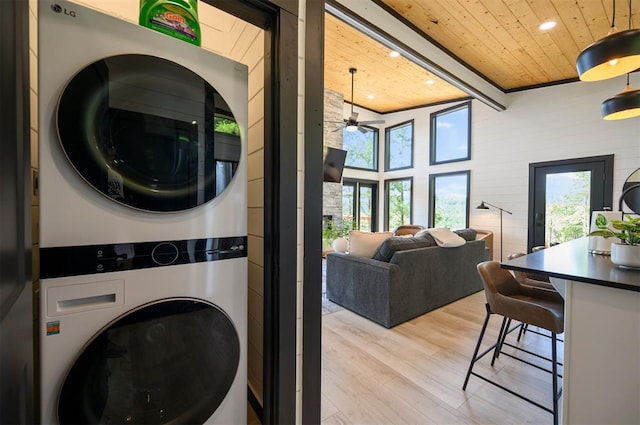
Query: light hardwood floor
x=413 y=373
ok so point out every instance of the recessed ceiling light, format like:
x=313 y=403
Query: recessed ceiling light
x=547 y=25
x=371 y=96
x=430 y=82
x=394 y=54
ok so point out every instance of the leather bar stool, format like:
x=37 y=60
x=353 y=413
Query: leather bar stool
x=529 y=279
x=538 y=281
x=527 y=304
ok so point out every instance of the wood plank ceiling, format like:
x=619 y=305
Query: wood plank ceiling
x=499 y=39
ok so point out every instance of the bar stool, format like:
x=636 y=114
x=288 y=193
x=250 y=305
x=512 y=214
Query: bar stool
x=538 y=281
x=527 y=304
x=529 y=279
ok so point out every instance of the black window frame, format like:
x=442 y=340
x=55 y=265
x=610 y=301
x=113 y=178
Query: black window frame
x=433 y=133
x=432 y=194
x=387 y=141
x=357 y=183
x=376 y=148
x=386 y=199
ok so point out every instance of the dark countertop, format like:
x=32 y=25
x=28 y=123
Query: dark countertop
x=572 y=261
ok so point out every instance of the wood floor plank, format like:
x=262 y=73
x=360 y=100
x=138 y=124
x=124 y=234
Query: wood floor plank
x=336 y=419
x=413 y=373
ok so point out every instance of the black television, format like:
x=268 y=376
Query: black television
x=333 y=164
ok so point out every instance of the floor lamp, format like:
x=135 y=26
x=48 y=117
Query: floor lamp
x=483 y=206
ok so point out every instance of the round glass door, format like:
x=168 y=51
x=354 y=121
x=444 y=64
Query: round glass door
x=168 y=362
x=148 y=133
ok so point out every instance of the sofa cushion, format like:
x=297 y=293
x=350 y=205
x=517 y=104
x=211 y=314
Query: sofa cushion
x=365 y=244
x=467 y=234
x=397 y=243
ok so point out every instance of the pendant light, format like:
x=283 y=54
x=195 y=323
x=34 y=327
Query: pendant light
x=616 y=54
x=623 y=105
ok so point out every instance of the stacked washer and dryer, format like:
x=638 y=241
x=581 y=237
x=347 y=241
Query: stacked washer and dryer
x=143 y=299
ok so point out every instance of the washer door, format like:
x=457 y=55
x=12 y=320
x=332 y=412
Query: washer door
x=148 y=133
x=171 y=361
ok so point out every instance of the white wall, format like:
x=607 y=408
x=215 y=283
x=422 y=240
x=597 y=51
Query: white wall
x=545 y=124
x=552 y=123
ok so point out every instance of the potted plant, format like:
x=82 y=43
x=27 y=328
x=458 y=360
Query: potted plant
x=336 y=236
x=625 y=253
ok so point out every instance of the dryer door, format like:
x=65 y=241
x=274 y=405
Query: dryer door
x=171 y=361
x=148 y=133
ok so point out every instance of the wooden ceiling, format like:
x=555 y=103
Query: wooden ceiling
x=498 y=39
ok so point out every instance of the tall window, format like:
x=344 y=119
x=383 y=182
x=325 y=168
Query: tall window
x=451 y=134
x=398 y=194
x=399 y=146
x=449 y=200
x=361 y=147
x=359 y=201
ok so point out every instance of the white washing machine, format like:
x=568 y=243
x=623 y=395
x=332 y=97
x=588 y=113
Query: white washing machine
x=142 y=189
x=123 y=348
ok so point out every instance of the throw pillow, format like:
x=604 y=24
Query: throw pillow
x=365 y=244
x=424 y=234
x=398 y=243
x=467 y=234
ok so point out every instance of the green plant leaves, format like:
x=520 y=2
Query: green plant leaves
x=628 y=230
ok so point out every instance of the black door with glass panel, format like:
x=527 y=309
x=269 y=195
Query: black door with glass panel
x=359 y=200
x=562 y=195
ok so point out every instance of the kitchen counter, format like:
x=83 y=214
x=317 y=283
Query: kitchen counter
x=571 y=260
x=601 y=383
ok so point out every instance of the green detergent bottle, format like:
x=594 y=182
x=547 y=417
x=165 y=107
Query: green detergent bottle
x=177 y=18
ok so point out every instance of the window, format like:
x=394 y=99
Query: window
x=359 y=201
x=399 y=146
x=449 y=200
x=361 y=147
x=451 y=134
x=398 y=195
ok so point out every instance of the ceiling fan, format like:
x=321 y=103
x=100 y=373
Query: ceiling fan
x=352 y=123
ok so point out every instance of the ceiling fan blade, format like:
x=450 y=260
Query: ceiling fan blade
x=372 y=122
x=337 y=129
x=362 y=130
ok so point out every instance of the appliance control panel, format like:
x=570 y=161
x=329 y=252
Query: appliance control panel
x=92 y=259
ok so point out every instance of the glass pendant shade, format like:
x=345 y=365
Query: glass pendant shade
x=623 y=105
x=611 y=56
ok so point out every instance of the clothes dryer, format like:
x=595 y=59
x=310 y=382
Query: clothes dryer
x=141 y=136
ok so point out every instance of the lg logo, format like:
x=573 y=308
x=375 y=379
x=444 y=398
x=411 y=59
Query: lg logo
x=59 y=9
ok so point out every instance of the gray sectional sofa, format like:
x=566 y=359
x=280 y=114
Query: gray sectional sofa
x=407 y=277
